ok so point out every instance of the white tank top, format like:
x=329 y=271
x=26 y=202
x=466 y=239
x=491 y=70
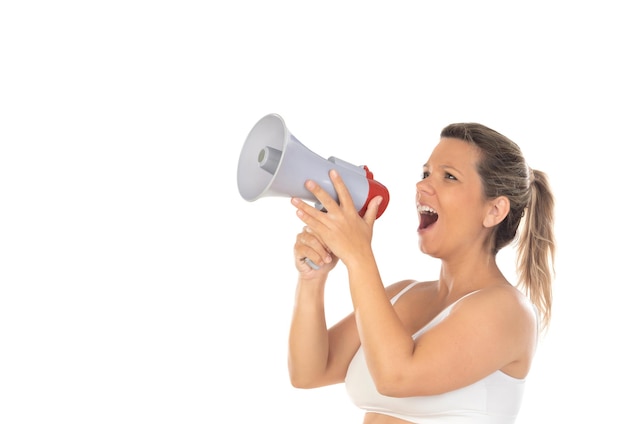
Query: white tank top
x=496 y=399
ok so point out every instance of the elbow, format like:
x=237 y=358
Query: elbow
x=296 y=382
x=392 y=386
x=389 y=389
x=306 y=379
x=399 y=387
x=300 y=380
x=301 y=383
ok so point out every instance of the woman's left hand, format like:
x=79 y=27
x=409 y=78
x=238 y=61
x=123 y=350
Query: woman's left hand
x=346 y=234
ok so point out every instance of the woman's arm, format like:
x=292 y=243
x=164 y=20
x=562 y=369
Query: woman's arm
x=317 y=356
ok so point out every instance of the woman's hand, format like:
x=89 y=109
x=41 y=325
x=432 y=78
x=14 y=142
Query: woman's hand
x=311 y=254
x=340 y=230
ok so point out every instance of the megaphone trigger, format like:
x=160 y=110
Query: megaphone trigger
x=319 y=207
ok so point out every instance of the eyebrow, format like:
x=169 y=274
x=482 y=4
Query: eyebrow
x=447 y=167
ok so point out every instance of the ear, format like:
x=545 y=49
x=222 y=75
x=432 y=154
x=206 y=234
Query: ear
x=497 y=210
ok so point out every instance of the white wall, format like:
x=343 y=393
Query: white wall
x=135 y=283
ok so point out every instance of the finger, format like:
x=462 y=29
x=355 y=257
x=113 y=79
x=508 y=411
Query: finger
x=343 y=194
x=312 y=241
x=326 y=201
x=309 y=248
x=306 y=212
x=311 y=216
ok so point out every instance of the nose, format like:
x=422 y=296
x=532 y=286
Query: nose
x=423 y=186
x=420 y=185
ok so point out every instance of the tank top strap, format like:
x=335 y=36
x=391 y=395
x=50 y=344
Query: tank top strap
x=464 y=296
x=404 y=290
x=408 y=287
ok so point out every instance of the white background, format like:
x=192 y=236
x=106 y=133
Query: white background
x=137 y=286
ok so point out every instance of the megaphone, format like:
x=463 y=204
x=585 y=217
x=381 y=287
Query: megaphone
x=274 y=163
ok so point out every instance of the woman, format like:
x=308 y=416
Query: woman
x=453 y=350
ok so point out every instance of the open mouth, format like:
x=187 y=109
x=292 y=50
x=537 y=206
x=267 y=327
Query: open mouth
x=428 y=216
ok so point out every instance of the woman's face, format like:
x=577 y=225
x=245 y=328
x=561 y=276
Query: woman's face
x=450 y=201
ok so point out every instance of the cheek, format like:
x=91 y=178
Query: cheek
x=467 y=209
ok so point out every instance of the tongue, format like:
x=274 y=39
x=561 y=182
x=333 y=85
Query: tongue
x=427 y=219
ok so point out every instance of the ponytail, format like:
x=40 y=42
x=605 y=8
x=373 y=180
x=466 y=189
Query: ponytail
x=536 y=246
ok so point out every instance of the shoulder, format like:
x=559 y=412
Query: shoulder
x=504 y=296
x=500 y=308
x=502 y=320
x=419 y=286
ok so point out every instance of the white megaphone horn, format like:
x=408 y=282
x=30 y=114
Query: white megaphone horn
x=274 y=163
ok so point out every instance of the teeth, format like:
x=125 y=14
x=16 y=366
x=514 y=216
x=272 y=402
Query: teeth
x=425 y=209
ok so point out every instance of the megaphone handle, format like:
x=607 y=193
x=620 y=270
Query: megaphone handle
x=311 y=263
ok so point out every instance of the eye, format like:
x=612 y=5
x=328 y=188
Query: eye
x=449 y=176
x=425 y=175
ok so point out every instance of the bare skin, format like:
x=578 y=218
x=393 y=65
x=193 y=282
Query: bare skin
x=492 y=329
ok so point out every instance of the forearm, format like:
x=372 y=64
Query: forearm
x=384 y=339
x=308 y=335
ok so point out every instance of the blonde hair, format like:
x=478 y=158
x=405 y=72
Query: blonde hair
x=504 y=172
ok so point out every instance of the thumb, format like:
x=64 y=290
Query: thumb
x=372 y=210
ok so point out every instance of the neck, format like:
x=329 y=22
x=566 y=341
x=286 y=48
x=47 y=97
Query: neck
x=473 y=273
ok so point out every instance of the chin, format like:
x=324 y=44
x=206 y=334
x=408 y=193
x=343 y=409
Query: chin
x=425 y=250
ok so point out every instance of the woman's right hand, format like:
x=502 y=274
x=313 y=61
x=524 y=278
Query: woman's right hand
x=310 y=252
